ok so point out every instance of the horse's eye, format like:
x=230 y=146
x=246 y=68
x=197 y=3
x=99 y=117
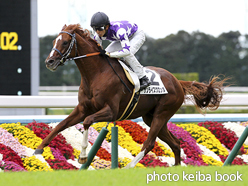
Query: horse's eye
x=65 y=43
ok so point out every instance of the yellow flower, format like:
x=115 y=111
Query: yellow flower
x=124 y=161
x=204 y=137
x=168 y=152
x=76 y=153
x=124 y=139
x=34 y=164
x=211 y=161
x=27 y=137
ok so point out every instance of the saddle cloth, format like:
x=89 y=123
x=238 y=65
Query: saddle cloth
x=156 y=87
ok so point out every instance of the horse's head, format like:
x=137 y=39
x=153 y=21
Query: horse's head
x=63 y=46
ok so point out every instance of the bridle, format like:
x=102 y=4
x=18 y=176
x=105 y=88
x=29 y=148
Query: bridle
x=68 y=52
x=64 y=57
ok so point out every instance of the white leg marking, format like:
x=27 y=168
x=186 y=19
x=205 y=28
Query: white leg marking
x=135 y=160
x=84 y=144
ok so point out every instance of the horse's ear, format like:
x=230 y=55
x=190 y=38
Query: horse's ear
x=64 y=27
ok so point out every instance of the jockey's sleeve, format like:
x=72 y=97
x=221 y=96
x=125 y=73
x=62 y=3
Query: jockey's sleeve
x=98 y=39
x=124 y=41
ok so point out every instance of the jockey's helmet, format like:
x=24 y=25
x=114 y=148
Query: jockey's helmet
x=99 y=20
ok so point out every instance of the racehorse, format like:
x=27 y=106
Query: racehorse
x=103 y=96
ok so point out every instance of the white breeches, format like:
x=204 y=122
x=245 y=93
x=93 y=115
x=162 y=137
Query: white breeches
x=136 y=41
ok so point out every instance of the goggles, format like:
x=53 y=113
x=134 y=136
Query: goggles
x=101 y=28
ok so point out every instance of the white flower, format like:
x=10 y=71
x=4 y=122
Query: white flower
x=244 y=157
x=29 y=151
x=183 y=155
x=169 y=160
x=236 y=128
x=74 y=163
x=208 y=152
x=73 y=136
x=91 y=168
x=1 y=162
x=122 y=153
x=145 y=126
x=41 y=158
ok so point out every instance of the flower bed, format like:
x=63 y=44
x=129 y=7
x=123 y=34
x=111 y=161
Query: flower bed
x=207 y=143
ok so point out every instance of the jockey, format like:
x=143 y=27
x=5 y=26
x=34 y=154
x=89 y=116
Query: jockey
x=126 y=41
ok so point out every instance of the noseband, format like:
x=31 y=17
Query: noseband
x=64 y=57
x=68 y=52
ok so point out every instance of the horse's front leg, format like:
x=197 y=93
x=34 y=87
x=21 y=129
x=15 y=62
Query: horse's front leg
x=104 y=114
x=75 y=117
x=83 y=156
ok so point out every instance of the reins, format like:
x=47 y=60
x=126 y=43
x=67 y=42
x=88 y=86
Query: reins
x=84 y=56
x=68 y=52
x=118 y=75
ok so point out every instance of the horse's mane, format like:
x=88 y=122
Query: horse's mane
x=84 y=33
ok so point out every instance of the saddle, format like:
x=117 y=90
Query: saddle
x=156 y=87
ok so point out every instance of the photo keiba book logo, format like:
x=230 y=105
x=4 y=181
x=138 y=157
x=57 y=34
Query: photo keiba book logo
x=198 y=176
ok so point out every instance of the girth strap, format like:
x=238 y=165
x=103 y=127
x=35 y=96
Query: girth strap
x=131 y=106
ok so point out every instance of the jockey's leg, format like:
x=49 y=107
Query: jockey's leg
x=138 y=69
x=132 y=61
x=83 y=156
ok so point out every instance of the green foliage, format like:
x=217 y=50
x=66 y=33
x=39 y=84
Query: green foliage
x=66 y=75
x=192 y=76
x=178 y=53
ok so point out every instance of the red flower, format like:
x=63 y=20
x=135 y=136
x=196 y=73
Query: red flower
x=139 y=134
x=103 y=154
x=59 y=142
x=10 y=155
x=225 y=136
x=236 y=161
x=60 y=164
x=151 y=161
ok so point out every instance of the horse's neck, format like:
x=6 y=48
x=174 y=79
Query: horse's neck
x=90 y=67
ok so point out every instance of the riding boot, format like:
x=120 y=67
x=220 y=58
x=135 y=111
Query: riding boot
x=138 y=69
x=144 y=82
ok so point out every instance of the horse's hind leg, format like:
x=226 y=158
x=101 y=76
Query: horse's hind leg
x=156 y=125
x=174 y=143
x=166 y=136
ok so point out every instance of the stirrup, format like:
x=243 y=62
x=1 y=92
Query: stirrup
x=143 y=87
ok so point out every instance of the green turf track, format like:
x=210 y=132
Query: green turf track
x=120 y=177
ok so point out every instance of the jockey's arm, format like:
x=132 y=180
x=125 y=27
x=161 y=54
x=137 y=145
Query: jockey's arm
x=98 y=39
x=124 y=41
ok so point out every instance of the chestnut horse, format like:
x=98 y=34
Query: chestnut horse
x=103 y=97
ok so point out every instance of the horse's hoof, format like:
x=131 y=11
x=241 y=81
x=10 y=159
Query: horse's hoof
x=82 y=160
x=38 y=151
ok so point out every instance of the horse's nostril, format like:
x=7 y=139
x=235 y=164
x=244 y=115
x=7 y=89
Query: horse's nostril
x=49 y=61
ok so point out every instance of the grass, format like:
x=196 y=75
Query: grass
x=126 y=177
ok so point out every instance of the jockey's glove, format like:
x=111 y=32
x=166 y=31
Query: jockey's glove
x=104 y=53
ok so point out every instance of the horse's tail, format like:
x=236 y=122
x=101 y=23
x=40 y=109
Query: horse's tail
x=205 y=95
